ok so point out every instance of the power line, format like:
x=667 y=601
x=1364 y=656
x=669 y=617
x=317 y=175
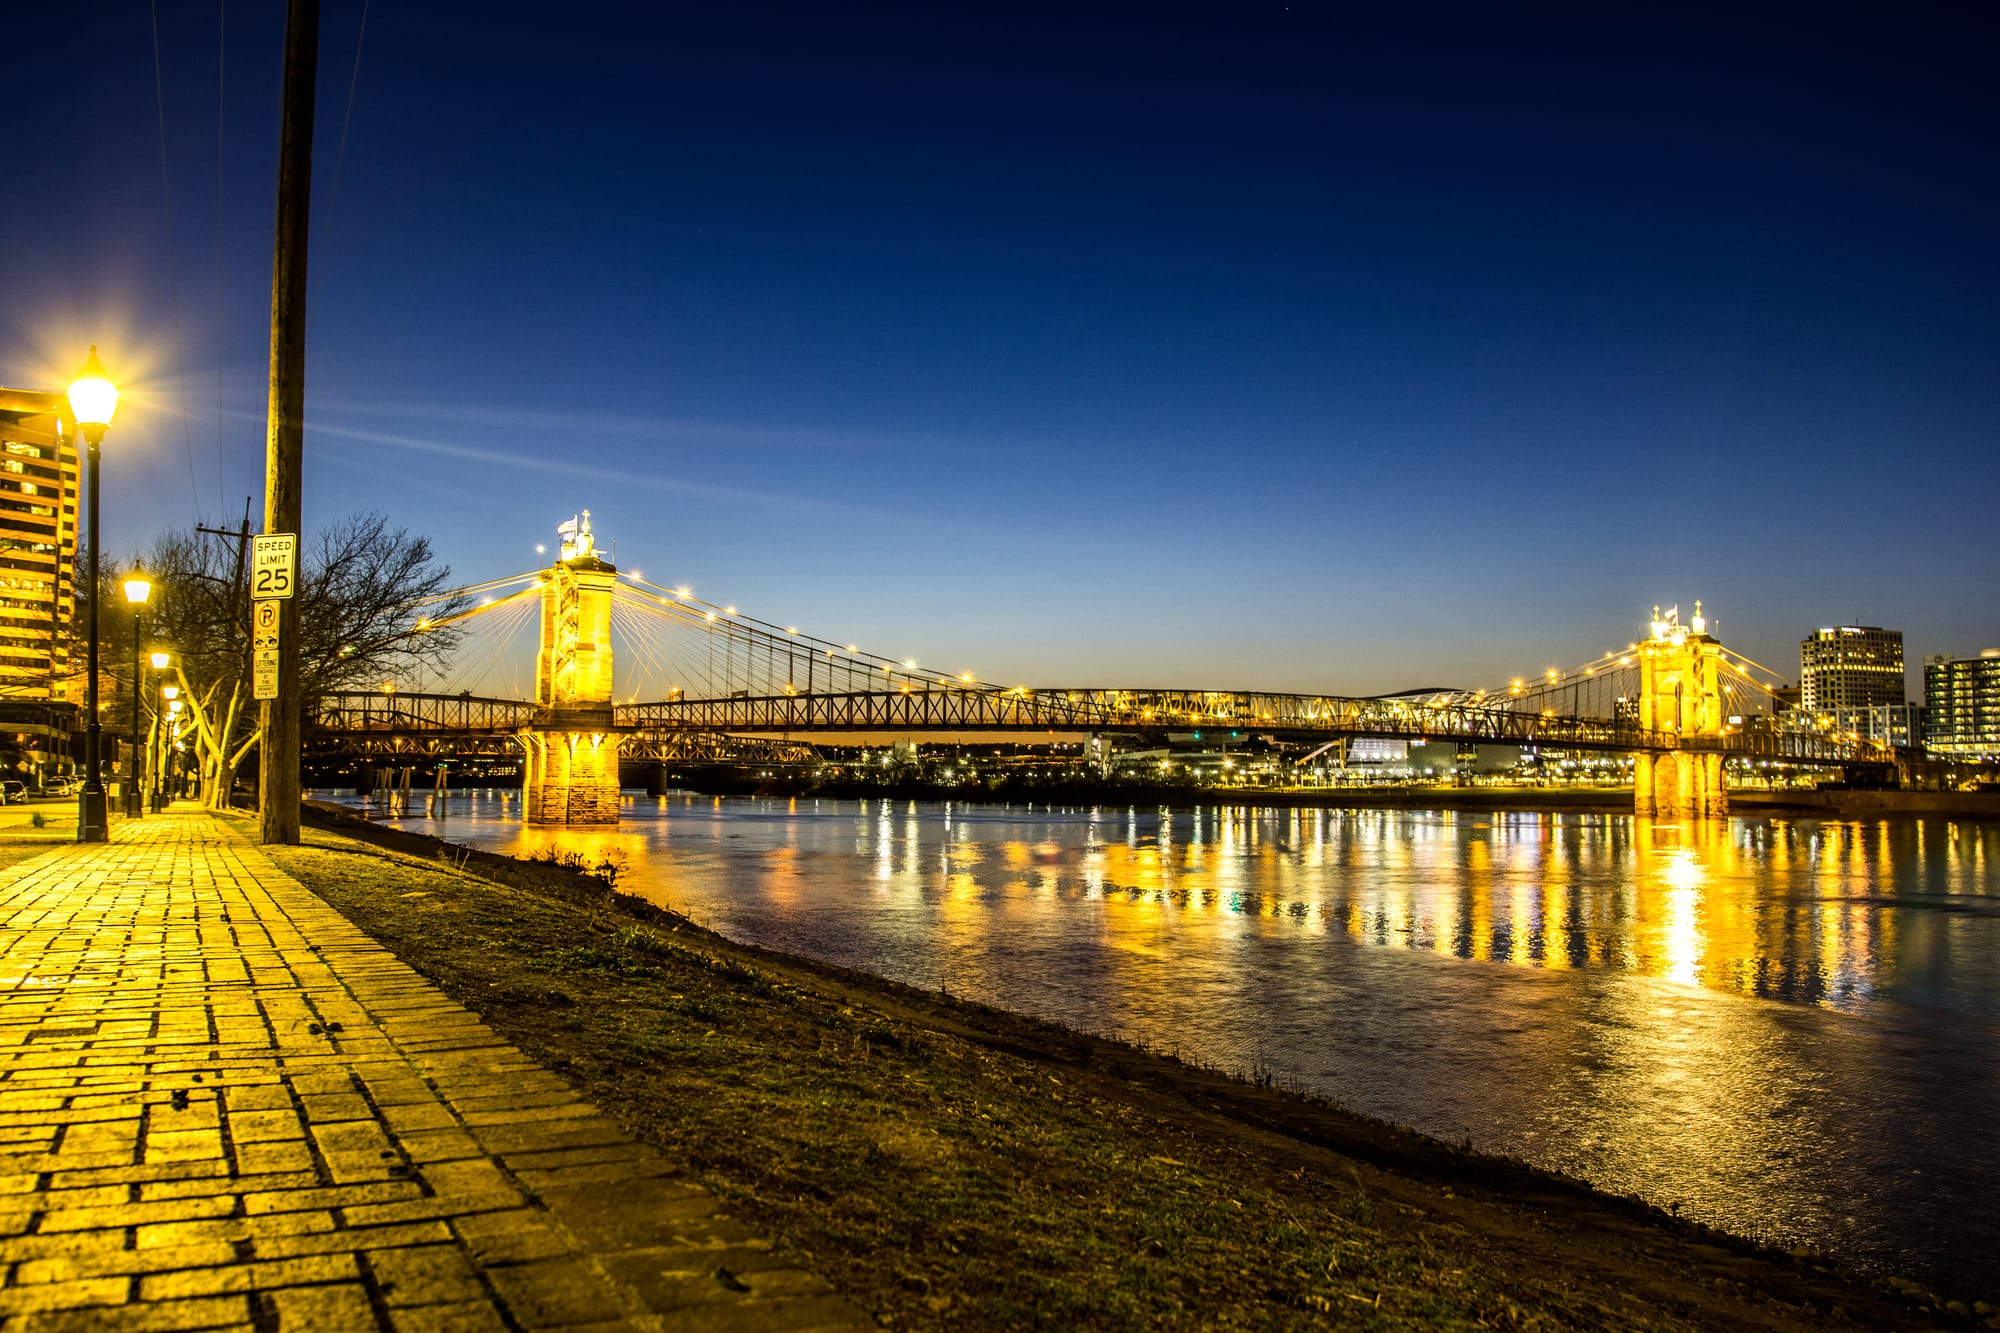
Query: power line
x=221 y=72
x=173 y=284
x=347 y=119
x=353 y=82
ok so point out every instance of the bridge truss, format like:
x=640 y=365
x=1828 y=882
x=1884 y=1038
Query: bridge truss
x=777 y=728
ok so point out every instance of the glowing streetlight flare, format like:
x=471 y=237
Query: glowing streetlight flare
x=93 y=398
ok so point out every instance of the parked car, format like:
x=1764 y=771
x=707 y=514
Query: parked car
x=13 y=792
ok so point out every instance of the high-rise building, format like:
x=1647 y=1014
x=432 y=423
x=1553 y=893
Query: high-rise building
x=1850 y=666
x=1962 y=704
x=37 y=544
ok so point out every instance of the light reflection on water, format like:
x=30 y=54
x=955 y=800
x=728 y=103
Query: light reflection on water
x=1790 y=1027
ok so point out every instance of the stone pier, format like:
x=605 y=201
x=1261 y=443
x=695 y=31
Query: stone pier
x=572 y=746
x=1680 y=693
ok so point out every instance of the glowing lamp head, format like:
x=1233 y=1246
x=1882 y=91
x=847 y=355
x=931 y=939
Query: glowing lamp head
x=137 y=589
x=170 y=693
x=161 y=661
x=92 y=398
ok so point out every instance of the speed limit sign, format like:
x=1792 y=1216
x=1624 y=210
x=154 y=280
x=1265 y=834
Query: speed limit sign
x=274 y=565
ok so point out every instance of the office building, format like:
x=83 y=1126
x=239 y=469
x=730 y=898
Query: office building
x=37 y=545
x=1962 y=704
x=1847 y=667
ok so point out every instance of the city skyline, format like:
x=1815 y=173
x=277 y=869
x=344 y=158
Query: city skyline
x=1283 y=352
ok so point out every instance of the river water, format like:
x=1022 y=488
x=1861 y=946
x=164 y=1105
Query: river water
x=1788 y=1027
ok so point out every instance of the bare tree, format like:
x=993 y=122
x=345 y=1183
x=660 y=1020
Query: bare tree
x=367 y=594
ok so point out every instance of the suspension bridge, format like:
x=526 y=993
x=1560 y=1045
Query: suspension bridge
x=733 y=687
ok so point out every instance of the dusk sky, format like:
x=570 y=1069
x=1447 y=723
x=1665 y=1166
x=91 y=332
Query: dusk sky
x=1249 y=346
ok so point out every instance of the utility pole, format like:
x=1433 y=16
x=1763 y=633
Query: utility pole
x=242 y=539
x=238 y=612
x=284 y=447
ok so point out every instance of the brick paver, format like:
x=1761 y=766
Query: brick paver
x=222 y=1106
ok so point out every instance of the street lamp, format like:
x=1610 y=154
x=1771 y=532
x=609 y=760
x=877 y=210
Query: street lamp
x=171 y=724
x=137 y=589
x=155 y=762
x=92 y=400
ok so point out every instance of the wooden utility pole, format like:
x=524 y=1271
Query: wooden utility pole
x=284 y=447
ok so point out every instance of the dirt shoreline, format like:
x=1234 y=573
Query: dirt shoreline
x=1260 y=1207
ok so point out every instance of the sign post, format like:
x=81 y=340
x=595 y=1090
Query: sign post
x=285 y=422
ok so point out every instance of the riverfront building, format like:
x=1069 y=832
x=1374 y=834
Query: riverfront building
x=37 y=545
x=1888 y=724
x=1848 y=667
x=1962 y=702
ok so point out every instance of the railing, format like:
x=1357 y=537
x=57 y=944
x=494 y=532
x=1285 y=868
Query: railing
x=1287 y=716
x=358 y=712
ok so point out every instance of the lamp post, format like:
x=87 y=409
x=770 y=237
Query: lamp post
x=137 y=589
x=92 y=400
x=170 y=726
x=156 y=762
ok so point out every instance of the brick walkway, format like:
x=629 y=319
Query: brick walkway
x=221 y=1106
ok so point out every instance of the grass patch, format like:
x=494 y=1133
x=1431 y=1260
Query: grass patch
x=954 y=1167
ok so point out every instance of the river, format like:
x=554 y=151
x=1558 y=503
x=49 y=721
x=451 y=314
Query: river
x=1788 y=1028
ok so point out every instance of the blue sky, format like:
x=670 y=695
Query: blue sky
x=1247 y=347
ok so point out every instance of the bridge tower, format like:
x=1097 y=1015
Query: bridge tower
x=1680 y=693
x=572 y=746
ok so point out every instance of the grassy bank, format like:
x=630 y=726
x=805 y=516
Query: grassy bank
x=21 y=837
x=951 y=1166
